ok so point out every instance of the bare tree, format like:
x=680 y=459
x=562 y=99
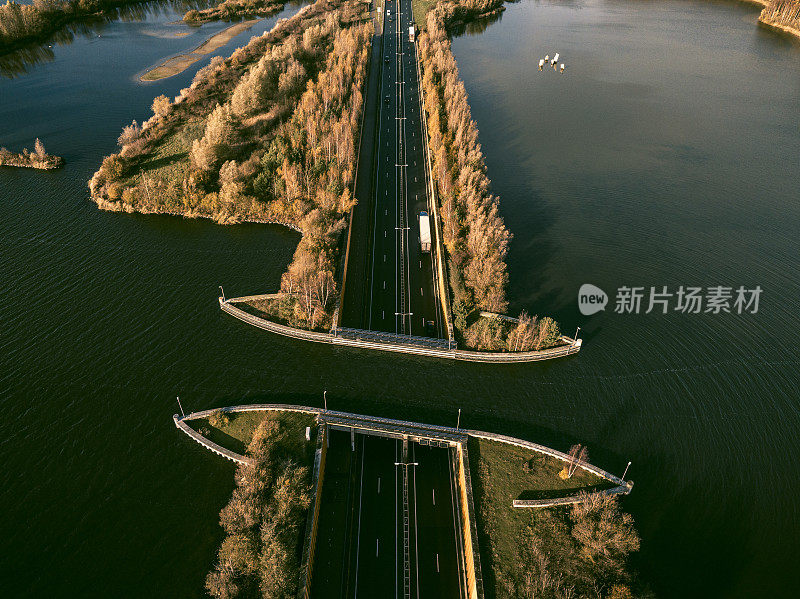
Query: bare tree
x=577 y=454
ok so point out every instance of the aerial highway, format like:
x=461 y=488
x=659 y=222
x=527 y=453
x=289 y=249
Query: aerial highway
x=391 y=285
x=388 y=526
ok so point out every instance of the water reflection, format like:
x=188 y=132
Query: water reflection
x=20 y=61
x=477 y=26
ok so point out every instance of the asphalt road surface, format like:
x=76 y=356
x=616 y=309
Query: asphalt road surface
x=361 y=537
x=390 y=285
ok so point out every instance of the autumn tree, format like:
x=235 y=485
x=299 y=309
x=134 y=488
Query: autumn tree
x=38 y=148
x=161 y=105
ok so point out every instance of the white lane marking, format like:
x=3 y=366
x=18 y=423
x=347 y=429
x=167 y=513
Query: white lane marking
x=376 y=554
x=379 y=485
x=384 y=284
x=437 y=562
x=420 y=291
x=360 y=493
x=434 y=496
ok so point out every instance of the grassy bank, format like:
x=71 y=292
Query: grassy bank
x=178 y=64
x=235 y=430
x=38 y=159
x=552 y=553
x=420 y=9
x=264 y=520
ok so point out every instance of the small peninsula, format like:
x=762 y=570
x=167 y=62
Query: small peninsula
x=38 y=159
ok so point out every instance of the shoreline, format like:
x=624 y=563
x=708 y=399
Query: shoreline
x=788 y=29
x=179 y=63
x=37 y=166
x=762 y=20
x=109 y=206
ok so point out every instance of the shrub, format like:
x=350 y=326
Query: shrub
x=219 y=419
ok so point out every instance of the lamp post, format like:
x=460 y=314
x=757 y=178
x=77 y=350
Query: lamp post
x=458 y=422
x=626 y=470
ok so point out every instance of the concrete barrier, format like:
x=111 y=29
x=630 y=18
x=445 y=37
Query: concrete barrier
x=218 y=449
x=542 y=503
x=569 y=347
x=310 y=540
x=403 y=427
x=472 y=558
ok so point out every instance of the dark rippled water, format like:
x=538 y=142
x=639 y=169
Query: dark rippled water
x=665 y=155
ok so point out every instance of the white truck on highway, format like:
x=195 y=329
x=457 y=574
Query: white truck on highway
x=424 y=232
x=411 y=33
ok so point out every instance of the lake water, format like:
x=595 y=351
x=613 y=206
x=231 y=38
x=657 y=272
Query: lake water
x=666 y=154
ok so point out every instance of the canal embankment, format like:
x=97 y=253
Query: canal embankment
x=421 y=346
x=503 y=468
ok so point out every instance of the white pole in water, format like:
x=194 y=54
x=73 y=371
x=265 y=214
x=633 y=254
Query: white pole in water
x=180 y=406
x=626 y=470
x=458 y=422
x=325 y=399
x=575 y=339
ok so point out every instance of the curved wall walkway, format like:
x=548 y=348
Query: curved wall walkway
x=403 y=427
x=572 y=346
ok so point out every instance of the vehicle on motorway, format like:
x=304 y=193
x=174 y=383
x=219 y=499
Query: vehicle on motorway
x=424 y=232
x=430 y=329
x=411 y=33
x=386 y=99
x=386 y=59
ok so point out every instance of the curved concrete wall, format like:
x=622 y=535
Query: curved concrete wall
x=572 y=346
